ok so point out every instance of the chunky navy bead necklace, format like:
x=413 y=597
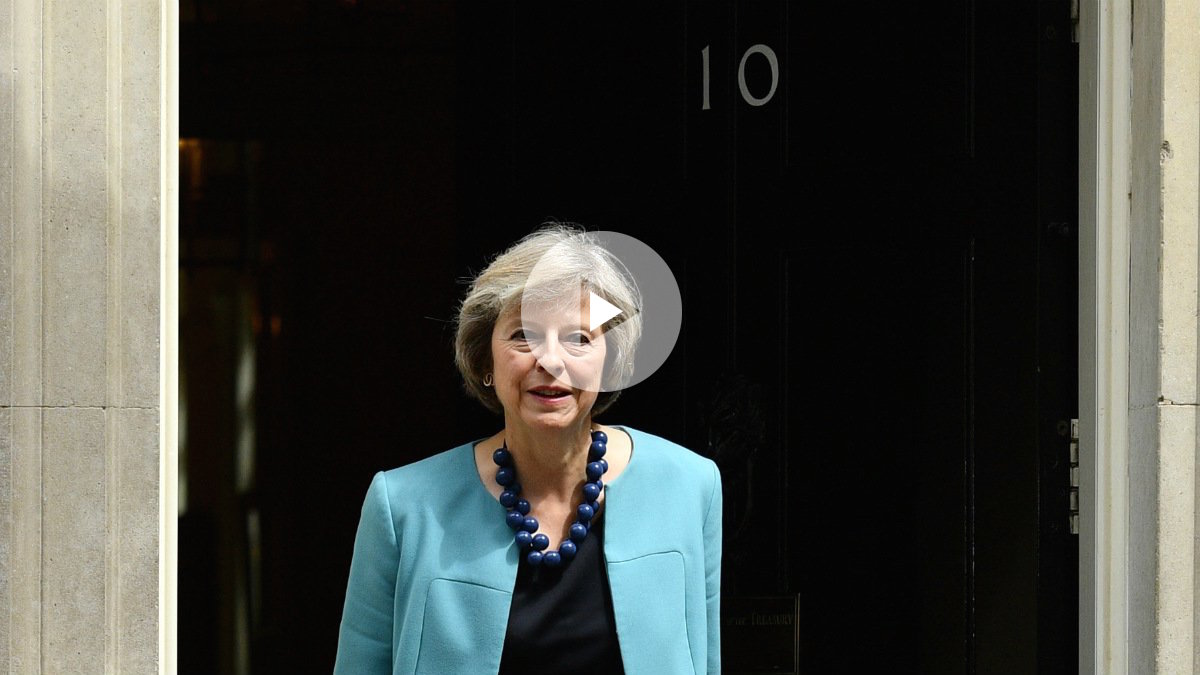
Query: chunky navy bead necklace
x=526 y=526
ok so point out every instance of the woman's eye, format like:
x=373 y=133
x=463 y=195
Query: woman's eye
x=579 y=339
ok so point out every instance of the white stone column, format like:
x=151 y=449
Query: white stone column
x=87 y=267
x=1163 y=358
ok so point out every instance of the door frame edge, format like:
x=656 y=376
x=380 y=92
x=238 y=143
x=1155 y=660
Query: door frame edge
x=1104 y=31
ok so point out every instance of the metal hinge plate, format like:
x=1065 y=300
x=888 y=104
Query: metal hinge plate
x=1074 y=488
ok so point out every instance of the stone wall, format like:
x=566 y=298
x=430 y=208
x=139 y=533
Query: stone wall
x=84 y=134
x=1163 y=359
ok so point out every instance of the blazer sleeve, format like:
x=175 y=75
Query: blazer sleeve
x=712 y=570
x=365 y=637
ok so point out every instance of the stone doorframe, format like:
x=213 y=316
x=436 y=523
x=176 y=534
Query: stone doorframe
x=1139 y=171
x=88 y=337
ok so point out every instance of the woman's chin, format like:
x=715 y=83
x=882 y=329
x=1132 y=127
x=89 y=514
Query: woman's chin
x=551 y=419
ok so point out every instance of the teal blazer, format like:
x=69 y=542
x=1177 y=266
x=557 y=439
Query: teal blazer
x=434 y=567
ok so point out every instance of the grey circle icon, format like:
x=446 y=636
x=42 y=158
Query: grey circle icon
x=607 y=329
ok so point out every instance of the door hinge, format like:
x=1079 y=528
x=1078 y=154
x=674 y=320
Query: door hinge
x=1074 y=491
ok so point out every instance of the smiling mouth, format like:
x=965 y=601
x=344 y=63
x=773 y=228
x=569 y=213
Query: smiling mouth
x=546 y=393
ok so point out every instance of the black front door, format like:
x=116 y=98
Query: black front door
x=871 y=211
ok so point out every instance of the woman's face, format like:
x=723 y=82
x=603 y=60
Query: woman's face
x=547 y=366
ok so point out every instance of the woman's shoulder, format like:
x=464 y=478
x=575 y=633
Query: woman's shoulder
x=662 y=453
x=435 y=472
x=657 y=461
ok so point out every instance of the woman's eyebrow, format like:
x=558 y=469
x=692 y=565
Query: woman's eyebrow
x=537 y=325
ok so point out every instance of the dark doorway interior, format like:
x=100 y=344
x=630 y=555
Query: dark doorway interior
x=875 y=242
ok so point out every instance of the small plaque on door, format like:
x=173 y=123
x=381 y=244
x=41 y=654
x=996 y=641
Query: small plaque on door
x=760 y=635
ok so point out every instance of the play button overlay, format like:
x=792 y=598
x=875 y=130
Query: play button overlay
x=602 y=311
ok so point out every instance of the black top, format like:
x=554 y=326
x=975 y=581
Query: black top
x=561 y=620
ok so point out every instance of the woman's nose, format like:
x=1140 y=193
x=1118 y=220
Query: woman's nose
x=550 y=359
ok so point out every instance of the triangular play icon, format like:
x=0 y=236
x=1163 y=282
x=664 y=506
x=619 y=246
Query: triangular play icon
x=602 y=311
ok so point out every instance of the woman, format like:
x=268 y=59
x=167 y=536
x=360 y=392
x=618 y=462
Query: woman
x=558 y=544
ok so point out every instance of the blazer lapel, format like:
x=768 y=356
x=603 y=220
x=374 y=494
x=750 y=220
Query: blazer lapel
x=469 y=599
x=647 y=583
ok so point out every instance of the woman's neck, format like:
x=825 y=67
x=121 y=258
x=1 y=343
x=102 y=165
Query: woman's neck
x=550 y=462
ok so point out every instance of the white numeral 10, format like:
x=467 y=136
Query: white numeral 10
x=753 y=100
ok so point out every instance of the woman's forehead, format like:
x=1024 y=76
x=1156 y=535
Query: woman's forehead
x=574 y=314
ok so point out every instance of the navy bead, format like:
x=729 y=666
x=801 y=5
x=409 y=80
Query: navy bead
x=600 y=436
x=540 y=542
x=502 y=457
x=515 y=488
x=505 y=475
x=523 y=506
x=524 y=539
x=586 y=512
x=598 y=450
x=567 y=549
x=515 y=520
x=530 y=524
x=604 y=465
x=591 y=491
x=534 y=557
x=551 y=559
x=578 y=532
x=594 y=470
x=508 y=498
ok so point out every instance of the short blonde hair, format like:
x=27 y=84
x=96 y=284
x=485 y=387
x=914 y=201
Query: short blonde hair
x=566 y=257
